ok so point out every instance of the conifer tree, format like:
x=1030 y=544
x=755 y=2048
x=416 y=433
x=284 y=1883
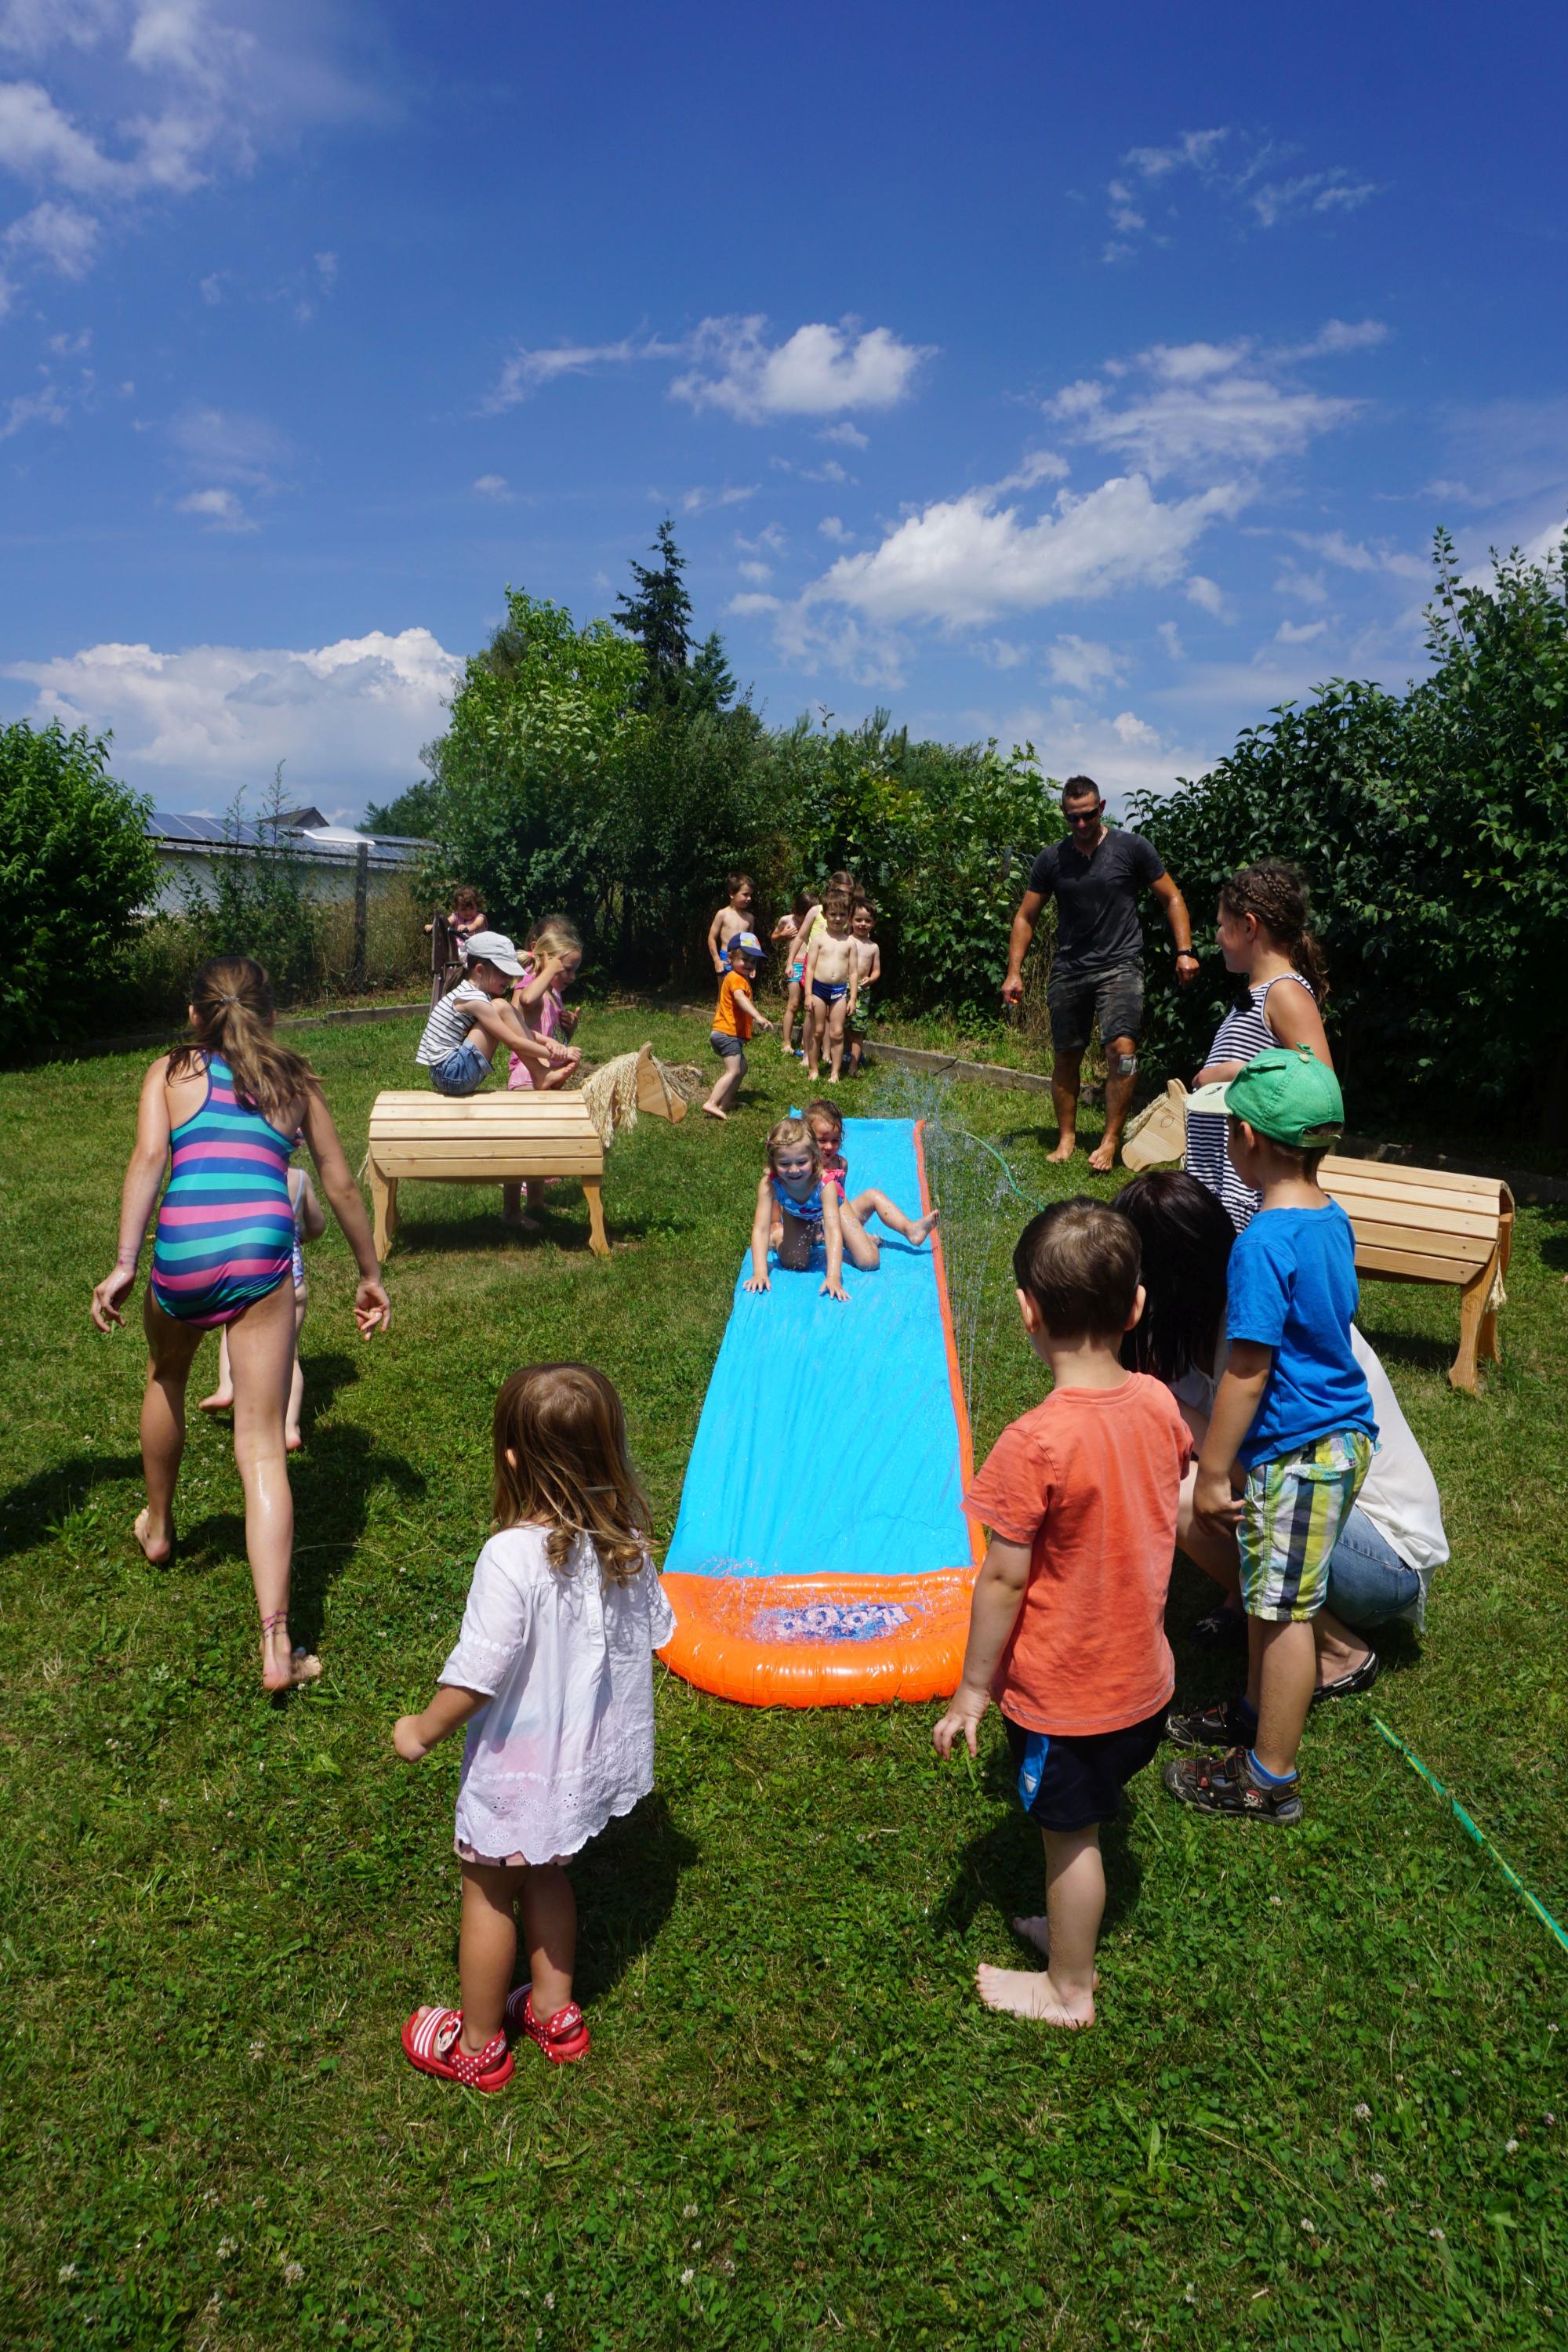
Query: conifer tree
x=658 y=614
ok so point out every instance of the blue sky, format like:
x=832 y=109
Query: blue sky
x=1092 y=377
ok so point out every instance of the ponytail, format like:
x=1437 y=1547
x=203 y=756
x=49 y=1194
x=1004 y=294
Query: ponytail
x=1275 y=894
x=232 y=1013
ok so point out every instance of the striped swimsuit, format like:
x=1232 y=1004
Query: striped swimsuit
x=226 y=1226
x=1241 y=1037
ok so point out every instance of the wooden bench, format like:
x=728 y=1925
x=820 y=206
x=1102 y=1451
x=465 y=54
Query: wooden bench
x=494 y=1137
x=1421 y=1224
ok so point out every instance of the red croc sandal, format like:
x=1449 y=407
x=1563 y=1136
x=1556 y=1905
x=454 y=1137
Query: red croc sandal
x=564 y=2038
x=431 y=2041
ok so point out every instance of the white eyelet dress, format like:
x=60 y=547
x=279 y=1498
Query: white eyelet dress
x=1241 y=1037
x=565 y=1658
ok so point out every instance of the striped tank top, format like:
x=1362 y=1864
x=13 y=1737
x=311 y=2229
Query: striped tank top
x=226 y=1225
x=1241 y=1037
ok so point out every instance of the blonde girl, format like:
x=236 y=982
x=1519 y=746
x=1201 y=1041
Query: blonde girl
x=221 y=1113
x=553 y=1676
x=552 y=961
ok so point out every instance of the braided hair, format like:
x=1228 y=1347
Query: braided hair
x=1275 y=894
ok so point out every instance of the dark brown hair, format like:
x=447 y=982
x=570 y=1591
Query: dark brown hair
x=735 y=880
x=564 y=1425
x=1079 y=788
x=231 y=1016
x=1276 y=895
x=1078 y=1262
x=1186 y=1236
x=465 y=901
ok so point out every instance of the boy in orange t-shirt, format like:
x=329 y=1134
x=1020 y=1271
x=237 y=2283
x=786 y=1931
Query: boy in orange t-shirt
x=1066 y=1626
x=734 y=1020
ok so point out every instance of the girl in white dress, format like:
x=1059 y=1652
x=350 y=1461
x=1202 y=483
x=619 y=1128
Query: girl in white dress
x=553 y=1675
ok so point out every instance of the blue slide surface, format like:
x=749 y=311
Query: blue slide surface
x=829 y=1443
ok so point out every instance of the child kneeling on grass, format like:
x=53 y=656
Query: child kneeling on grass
x=1293 y=1411
x=553 y=1675
x=1066 y=1626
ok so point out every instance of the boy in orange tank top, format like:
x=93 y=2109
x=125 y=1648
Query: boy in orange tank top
x=1067 y=1625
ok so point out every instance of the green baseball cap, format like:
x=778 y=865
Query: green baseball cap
x=1286 y=1094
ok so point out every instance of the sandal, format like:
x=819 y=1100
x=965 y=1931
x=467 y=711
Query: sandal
x=564 y=2038
x=432 y=2041
x=1360 y=1678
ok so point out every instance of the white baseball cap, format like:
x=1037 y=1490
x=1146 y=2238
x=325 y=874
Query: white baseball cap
x=492 y=947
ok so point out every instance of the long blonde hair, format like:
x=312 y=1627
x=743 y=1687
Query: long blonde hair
x=561 y=1457
x=231 y=1016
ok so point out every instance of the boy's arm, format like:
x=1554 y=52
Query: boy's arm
x=1236 y=1399
x=809 y=974
x=758 y=1279
x=833 y=1241
x=998 y=1596
x=413 y=1736
x=873 y=977
x=743 y=999
x=714 y=955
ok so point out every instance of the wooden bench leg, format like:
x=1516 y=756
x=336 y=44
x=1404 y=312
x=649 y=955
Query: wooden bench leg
x=384 y=1200
x=593 y=1194
x=1486 y=1346
x=1472 y=1314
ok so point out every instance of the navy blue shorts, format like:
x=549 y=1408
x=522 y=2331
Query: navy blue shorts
x=1068 y=1779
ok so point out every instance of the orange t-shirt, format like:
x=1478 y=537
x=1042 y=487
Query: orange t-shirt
x=1090 y=1481
x=733 y=1020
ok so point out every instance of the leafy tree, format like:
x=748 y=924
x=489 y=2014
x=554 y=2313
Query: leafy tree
x=76 y=867
x=415 y=812
x=659 y=616
x=262 y=903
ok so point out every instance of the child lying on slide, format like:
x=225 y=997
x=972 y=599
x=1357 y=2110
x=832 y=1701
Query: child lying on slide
x=810 y=1211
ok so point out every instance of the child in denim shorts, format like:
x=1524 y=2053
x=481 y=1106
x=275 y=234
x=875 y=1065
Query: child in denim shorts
x=1293 y=1411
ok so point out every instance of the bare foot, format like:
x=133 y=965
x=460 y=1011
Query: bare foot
x=925 y=1226
x=715 y=1114
x=521 y=1222
x=1064 y=1150
x=282 y=1666
x=1102 y=1158
x=155 y=1549
x=219 y=1402
x=293 y=1439
x=1029 y=1993
x=1037 y=1931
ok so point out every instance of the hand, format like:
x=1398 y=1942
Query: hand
x=756 y=1282
x=1214 y=1500
x=373 y=1308
x=1186 y=967
x=111 y=1295
x=1012 y=989
x=964 y=1710
x=769 y=1026
x=833 y=1287
x=406 y=1740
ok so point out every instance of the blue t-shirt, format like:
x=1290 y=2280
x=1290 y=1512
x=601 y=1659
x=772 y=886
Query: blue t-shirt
x=1293 y=1289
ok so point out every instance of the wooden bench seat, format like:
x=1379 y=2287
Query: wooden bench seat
x=1423 y=1224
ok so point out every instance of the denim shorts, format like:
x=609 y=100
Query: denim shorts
x=1077 y=1000
x=728 y=1048
x=463 y=1072
x=1368 y=1582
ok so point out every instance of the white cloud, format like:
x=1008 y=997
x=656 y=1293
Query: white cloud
x=228 y=445
x=1337 y=335
x=848 y=436
x=770 y=540
x=1209 y=597
x=1195 y=150
x=1203 y=403
x=1318 y=192
x=998 y=653
x=1083 y=664
x=817 y=369
x=965 y=560
x=1352 y=556
x=1123 y=754
x=733 y=493
x=1309 y=586
x=1298 y=633
x=491 y=486
x=1134 y=732
x=45 y=406
x=746 y=606
x=61 y=235
x=832 y=528
x=220 y=510
x=211 y=289
x=756 y=571
x=1232 y=166
x=526 y=371
x=193 y=726
x=1171 y=638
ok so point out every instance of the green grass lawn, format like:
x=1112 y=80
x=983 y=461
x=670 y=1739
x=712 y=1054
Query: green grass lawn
x=1317 y=2109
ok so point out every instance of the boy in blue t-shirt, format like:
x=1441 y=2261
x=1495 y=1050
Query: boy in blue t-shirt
x=1293 y=1413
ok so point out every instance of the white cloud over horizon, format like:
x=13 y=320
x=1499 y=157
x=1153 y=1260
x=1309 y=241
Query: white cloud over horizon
x=195 y=726
x=730 y=366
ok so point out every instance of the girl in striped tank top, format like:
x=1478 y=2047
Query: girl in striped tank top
x=222 y=1112
x=1263 y=934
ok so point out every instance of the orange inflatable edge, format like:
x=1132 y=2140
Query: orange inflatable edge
x=709 y=1652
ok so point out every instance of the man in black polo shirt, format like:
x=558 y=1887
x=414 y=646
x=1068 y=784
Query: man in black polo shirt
x=1096 y=877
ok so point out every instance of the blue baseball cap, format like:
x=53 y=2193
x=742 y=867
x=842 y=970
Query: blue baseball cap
x=747 y=943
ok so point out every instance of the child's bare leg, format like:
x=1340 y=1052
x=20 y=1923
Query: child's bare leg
x=512 y=1197
x=170 y=1349
x=261 y=1350
x=878 y=1204
x=836 y=1020
x=791 y=1014
x=222 y=1396
x=293 y=1437
x=550 y=1937
x=1063 y=1992
x=559 y=1072
x=813 y=1040
x=859 y=1247
x=726 y=1087
x=487 y=1949
x=1283 y=1674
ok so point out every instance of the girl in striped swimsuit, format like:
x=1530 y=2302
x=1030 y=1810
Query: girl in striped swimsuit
x=222 y=1112
x=1263 y=935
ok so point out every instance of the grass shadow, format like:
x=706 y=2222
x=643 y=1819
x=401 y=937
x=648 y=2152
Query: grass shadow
x=32 y=1513
x=1003 y=1869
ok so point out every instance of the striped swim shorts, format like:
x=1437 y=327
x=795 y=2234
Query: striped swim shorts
x=1294 y=1509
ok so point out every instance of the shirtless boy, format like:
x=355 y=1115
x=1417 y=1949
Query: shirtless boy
x=832 y=984
x=730 y=922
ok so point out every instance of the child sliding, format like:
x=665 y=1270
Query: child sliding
x=553 y=1675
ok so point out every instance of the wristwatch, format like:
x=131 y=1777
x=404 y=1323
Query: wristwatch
x=1185 y=955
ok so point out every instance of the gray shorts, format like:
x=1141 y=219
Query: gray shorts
x=728 y=1048
x=1076 y=1000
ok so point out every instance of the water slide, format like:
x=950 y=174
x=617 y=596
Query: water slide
x=821 y=1557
